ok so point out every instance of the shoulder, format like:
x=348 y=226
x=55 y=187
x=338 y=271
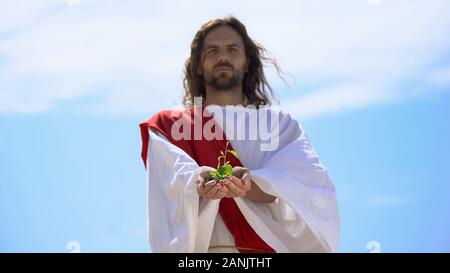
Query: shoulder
x=284 y=115
x=284 y=118
x=166 y=115
x=163 y=117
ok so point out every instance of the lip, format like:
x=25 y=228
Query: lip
x=223 y=68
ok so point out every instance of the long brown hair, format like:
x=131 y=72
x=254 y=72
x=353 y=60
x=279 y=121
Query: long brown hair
x=255 y=86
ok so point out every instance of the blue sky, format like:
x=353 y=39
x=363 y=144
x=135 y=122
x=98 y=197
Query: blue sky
x=371 y=88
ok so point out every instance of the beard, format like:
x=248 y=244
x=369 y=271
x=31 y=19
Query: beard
x=224 y=80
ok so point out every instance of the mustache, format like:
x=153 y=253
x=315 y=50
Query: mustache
x=220 y=65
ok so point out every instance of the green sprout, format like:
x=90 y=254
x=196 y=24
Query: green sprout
x=225 y=170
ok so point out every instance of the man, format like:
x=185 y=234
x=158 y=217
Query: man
x=279 y=197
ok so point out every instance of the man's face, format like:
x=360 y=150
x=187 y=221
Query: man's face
x=223 y=60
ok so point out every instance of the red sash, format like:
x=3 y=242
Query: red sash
x=205 y=153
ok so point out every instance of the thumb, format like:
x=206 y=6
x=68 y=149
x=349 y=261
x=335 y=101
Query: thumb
x=246 y=178
x=203 y=173
x=239 y=171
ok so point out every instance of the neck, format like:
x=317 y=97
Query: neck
x=224 y=97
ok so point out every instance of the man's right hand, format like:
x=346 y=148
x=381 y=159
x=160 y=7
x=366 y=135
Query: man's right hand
x=208 y=187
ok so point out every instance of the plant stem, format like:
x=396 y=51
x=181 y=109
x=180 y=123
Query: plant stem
x=225 y=154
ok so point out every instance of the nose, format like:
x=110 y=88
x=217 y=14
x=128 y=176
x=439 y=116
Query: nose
x=223 y=58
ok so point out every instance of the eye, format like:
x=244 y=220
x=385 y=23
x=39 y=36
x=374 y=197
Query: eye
x=211 y=51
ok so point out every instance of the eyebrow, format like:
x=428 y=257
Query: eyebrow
x=216 y=46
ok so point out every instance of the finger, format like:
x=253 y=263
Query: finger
x=204 y=188
x=202 y=177
x=247 y=181
x=200 y=180
x=206 y=176
x=213 y=191
x=209 y=185
x=200 y=189
x=237 y=182
x=221 y=193
x=239 y=171
x=231 y=195
x=234 y=190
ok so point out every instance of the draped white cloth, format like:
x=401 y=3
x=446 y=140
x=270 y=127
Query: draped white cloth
x=304 y=217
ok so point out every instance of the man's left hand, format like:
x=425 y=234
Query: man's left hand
x=237 y=187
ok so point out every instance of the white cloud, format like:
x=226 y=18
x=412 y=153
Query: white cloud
x=16 y=15
x=374 y=2
x=130 y=55
x=337 y=98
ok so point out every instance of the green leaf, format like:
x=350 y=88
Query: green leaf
x=234 y=153
x=228 y=170
x=221 y=170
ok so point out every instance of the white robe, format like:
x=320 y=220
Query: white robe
x=303 y=218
